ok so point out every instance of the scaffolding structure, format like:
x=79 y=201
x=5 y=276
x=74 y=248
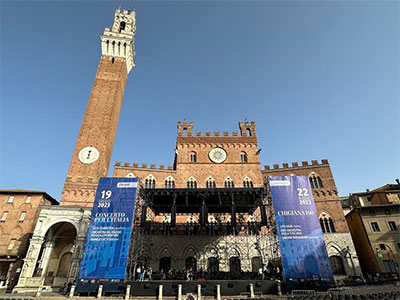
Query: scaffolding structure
x=249 y=235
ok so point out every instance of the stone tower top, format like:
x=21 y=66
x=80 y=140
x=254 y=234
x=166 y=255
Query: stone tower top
x=119 y=41
x=247 y=128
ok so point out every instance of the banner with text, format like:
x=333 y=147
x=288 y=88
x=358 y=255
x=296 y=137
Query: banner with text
x=300 y=236
x=107 y=241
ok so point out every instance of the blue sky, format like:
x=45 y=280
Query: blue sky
x=319 y=78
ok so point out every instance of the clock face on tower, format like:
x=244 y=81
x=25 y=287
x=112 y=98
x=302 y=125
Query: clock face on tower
x=88 y=155
x=217 y=155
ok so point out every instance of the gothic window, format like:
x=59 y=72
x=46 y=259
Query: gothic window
x=191 y=183
x=243 y=157
x=247 y=183
x=337 y=265
x=256 y=264
x=326 y=223
x=213 y=265
x=150 y=182
x=122 y=26
x=10 y=199
x=193 y=157
x=210 y=183
x=315 y=181
x=229 y=183
x=248 y=131
x=169 y=182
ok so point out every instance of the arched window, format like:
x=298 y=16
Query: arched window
x=248 y=131
x=184 y=131
x=150 y=182
x=326 y=223
x=256 y=264
x=315 y=181
x=122 y=26
x=337 y=265
x=247 y=183
x=169 y=182
x=229 y=183
x=165 y=264
x=213 y=265
x=210 y=183
x=243 y=157
x=193 y=157
x=191 y=263
x=191 y=183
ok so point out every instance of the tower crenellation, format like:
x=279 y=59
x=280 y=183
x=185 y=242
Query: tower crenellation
x=119 y=41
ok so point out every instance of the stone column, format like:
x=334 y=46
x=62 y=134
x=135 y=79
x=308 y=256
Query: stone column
x=198 y=292
x=99 y=291
x=218 y=292
x=251 y=291
x=160 y=292
x=128 y=291
x=30 y=261
x=46 y=256
x=78 y=247
x=179 y=291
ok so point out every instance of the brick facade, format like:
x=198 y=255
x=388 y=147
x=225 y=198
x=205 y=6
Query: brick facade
x=19 y=210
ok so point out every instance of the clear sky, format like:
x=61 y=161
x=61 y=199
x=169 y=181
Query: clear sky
x=319 y=78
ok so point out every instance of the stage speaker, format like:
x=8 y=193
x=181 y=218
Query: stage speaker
x=258 y=284
x=143 y=216
x=264 y=220
x=173 y=216
x=230 y=285
x=146 y=285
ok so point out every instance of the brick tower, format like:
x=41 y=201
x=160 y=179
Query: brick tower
x=92 y=153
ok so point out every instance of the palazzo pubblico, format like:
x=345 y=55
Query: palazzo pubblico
x=209 y=210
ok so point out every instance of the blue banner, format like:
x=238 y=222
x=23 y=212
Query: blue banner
x=301 y=240
x=107 y=241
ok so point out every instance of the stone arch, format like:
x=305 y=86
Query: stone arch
x=64 y=262
x=315 y=180
x=229 y=182
x=211 y=252
x=150 y=182
x=16 y=231
x=333 y=249
x=165 y=250
x=190 y=250
x=56 y=254
x=169 y=182
x=60 y=220
x=234 y=251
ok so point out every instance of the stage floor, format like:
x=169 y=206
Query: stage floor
x=170 y=287
x=208 y=287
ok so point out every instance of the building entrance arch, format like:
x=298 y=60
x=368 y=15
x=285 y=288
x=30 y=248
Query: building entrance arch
x=55 y=255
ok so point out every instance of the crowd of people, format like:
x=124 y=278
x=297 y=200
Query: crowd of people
x=269 y=273
x=264 y=273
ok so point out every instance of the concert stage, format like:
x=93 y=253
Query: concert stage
x=170 y=287
x=208 y=287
